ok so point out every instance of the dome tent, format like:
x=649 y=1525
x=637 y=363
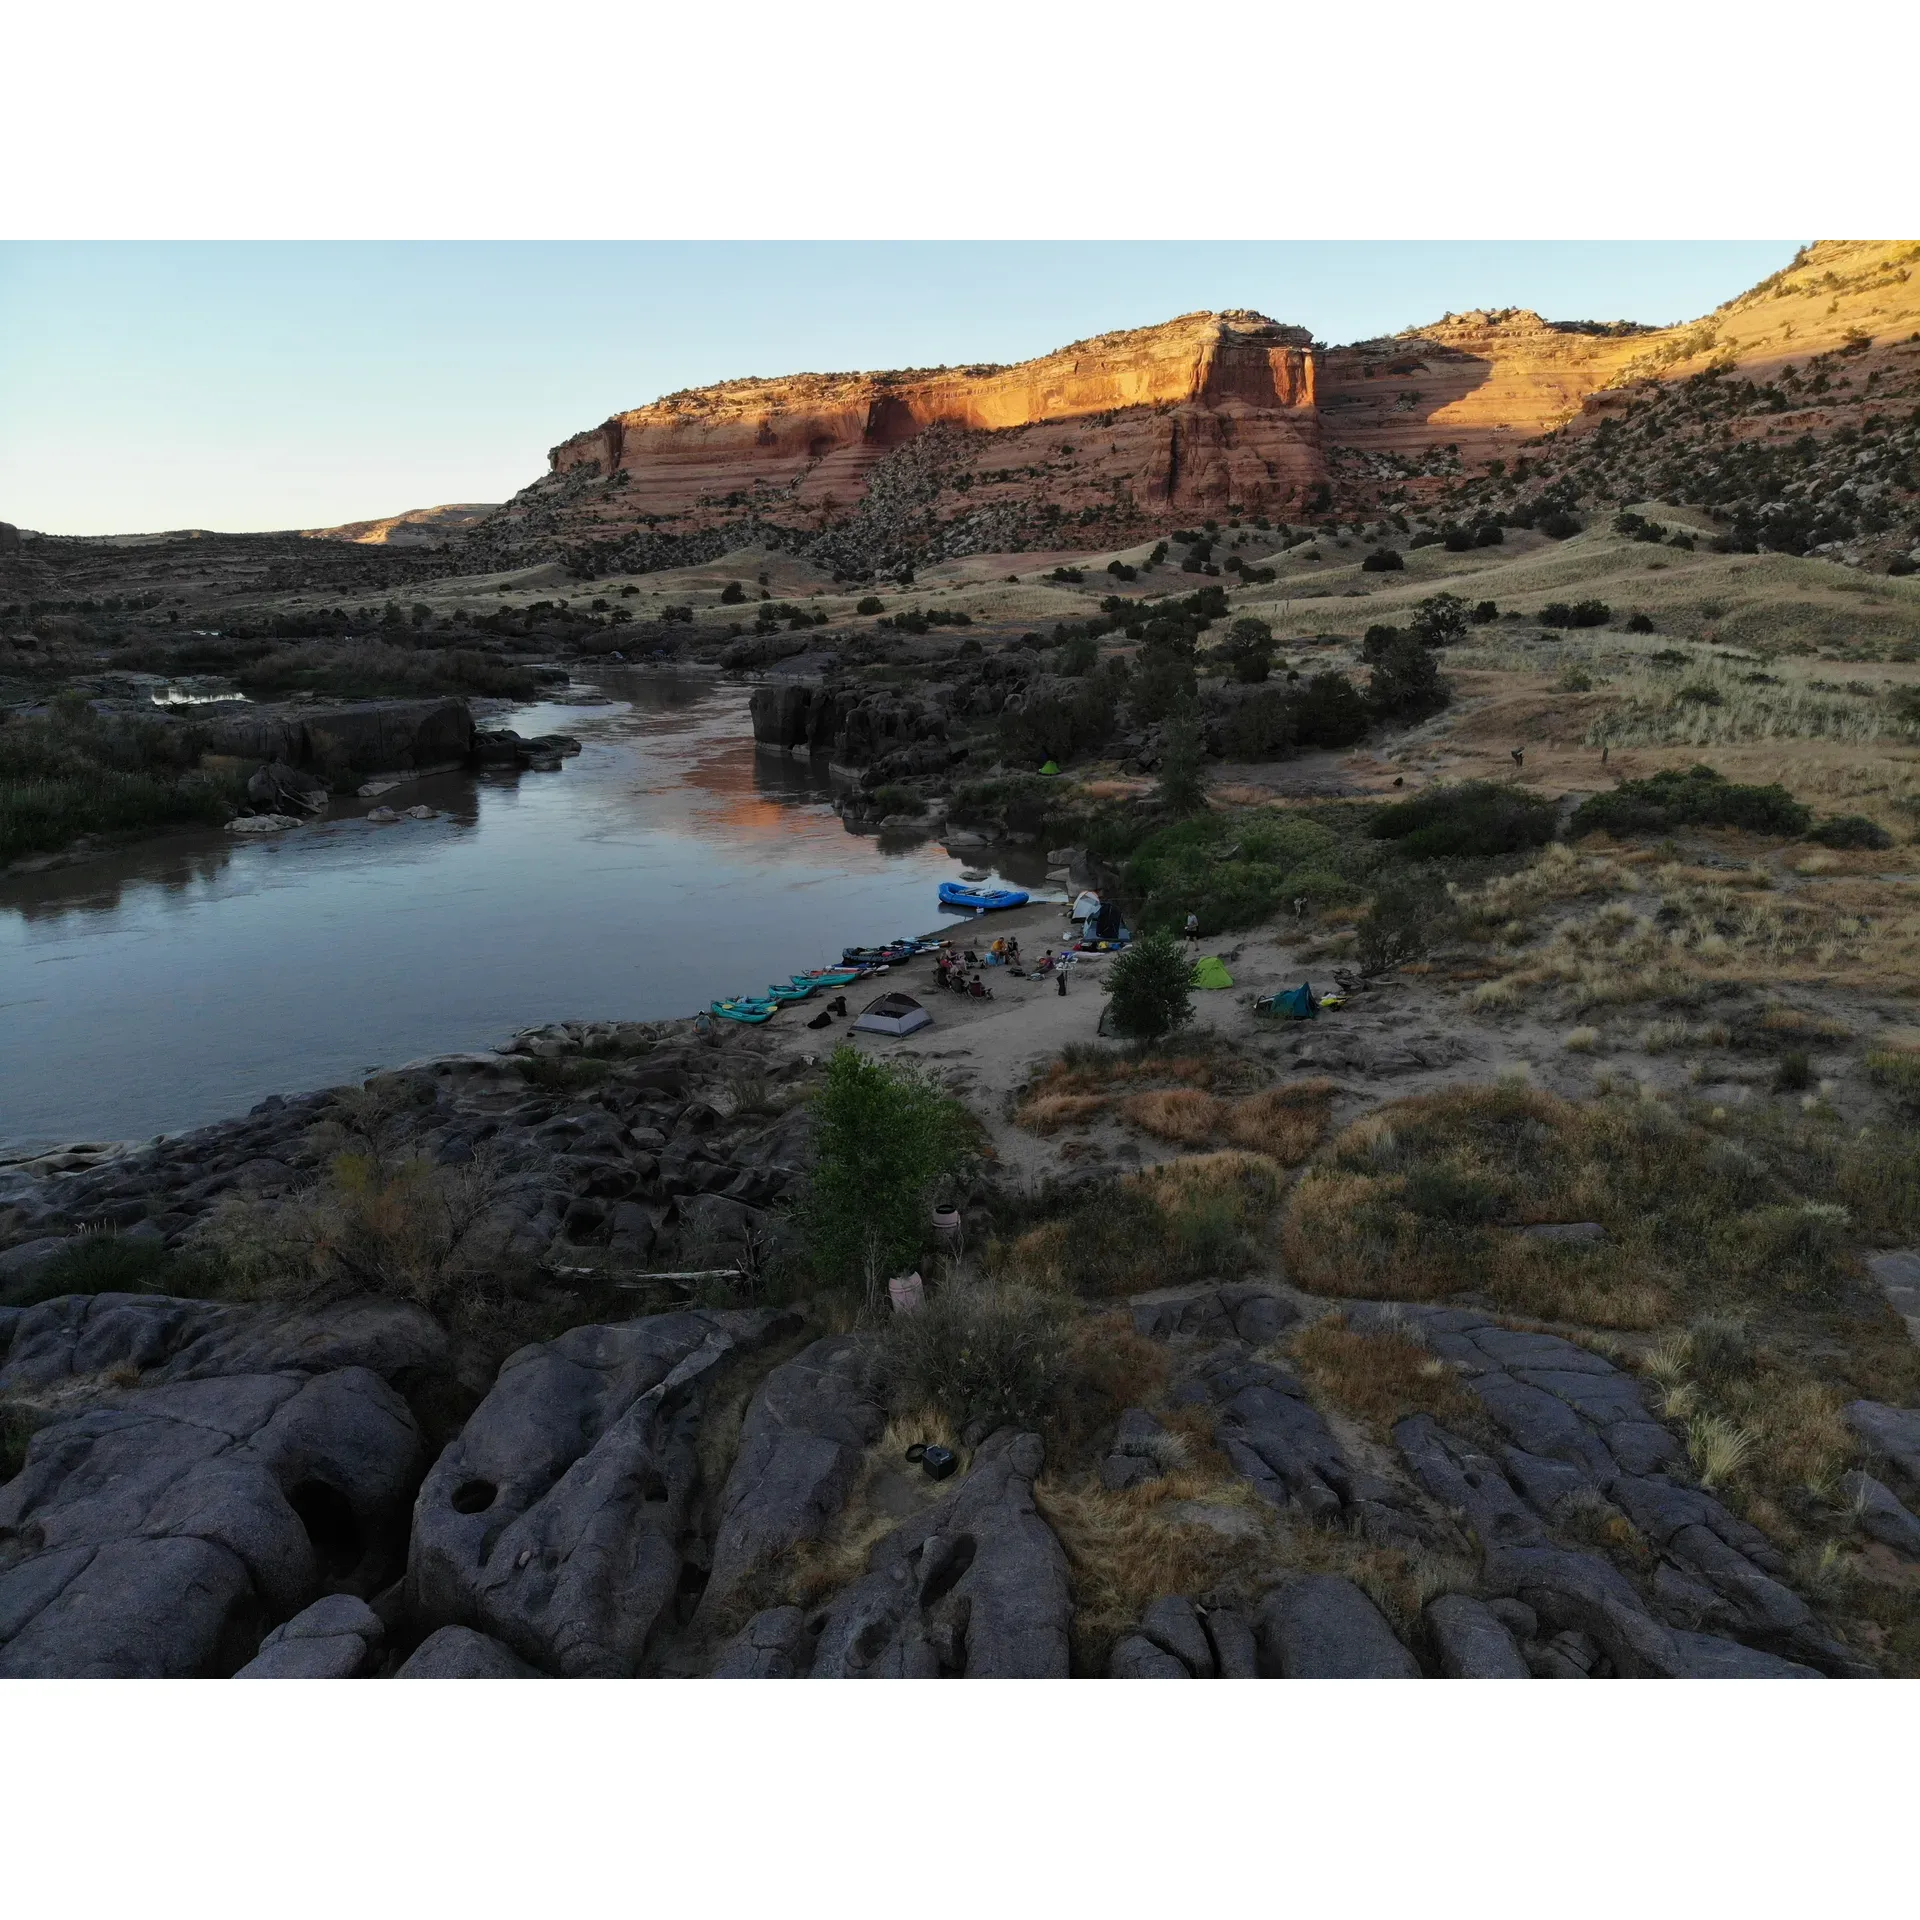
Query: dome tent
x=893 y=1013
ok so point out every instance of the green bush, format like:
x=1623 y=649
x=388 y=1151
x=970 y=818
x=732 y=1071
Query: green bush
x=872 y=603
x=1697 y=797
x=896 y=799
x=1405 y=683
x=1849 y=831
x=885 y=1134
x=1183 y=767
x=1383 y=560
x=1581 y=613
x=1476 y=819
x=1248 y=651
x=1441 y=619
x=1235 y=869
x=1152 y=988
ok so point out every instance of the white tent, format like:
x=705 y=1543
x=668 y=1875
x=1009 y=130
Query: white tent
x=893 y=1013
x=1087 y=907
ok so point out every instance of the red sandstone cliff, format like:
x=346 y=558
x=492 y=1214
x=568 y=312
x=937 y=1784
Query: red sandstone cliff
x=1203 y=409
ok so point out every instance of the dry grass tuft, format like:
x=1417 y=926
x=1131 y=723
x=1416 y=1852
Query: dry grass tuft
x=1186 y=1117
x=1046 y=1113
x=1381 y=1377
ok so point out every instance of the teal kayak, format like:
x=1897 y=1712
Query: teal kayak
x=746 y=1008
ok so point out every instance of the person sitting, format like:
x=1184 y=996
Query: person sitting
x=978 y=989
x=1046 y=962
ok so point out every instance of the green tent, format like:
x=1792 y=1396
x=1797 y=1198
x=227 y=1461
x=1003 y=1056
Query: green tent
x=1210 y=971
x=1051 y=767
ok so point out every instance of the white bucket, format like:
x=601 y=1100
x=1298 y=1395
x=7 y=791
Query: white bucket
x=908 y=1291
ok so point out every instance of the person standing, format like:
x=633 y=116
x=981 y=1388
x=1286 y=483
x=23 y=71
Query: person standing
x=1193 y=931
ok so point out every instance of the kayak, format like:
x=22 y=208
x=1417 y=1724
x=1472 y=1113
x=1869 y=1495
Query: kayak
x=890 y=955
x=828 y=977
x=787 y=995
x=980 y=899
x=746 y=1008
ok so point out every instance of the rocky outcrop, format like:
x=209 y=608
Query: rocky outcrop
x=555 y=1521
x=458 y=1653
x=1322 y=1627
x=975 y=1588
x=366 y=736
x=334 y=1639
x=160 y=1531
x=800 y=1451
x=1177 y=1640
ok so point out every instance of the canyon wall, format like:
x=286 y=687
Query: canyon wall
x=1183 y=415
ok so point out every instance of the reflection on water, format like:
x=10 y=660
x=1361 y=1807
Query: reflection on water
x=668 y=864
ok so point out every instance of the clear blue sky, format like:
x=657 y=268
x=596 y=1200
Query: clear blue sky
x=153 y=385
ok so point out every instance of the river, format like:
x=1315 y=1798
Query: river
x=668 y=864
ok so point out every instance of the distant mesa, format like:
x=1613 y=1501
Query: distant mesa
x=421 y=527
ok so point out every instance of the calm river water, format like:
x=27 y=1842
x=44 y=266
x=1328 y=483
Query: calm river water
x=670 y=863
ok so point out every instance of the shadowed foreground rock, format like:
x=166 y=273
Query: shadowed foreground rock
x=1321 y=1627
x=975 y=1587
x=160 y=1532
x=800 y=1451
x=555 y=1520
x=334 y=1639
x=458 y=1653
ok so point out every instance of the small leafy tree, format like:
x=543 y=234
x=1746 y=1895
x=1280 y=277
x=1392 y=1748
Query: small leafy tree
x=885 y=1133
x=1152 y=988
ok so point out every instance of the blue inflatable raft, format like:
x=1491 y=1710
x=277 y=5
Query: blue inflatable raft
x=979 y=899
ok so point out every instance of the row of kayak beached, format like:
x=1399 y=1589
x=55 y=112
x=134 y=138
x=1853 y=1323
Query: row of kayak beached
x=856 y=963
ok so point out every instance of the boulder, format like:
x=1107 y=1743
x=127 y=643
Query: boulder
x=22 y=1265
x=1472 y=1642
x=367 y=735
x=1319 y=1626
x=159 y=1532
x=976 y=1586
x=1138 y=1658
x=1236 y=1654
x=1172 y=1625
x=800 y=1451
x=1891 y=1432
x=773 y=1645
x=1880 y=1514
x=458 y=1653
x=334 y=1639
x=1708 y=1657
x=1584 y=1592
x=554 y=1520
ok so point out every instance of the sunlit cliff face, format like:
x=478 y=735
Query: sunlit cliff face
x=1188 y=413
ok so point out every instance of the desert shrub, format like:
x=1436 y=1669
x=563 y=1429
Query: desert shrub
x=1328 y=712
x=1248 y=650
x=1580 y=613
x=1441 y=619
x=1793 y=1072
x=1697 y=797
x=1850 y=831
x=1405 y=683
x=1476 y=819
x=1405 y=920
x=870 y=603
x=1152 y=988
x=1383 y=560
x=1079 y=655
x=1639 y=623
x=1162 y=682
x=885 y=1134
x=993 y=1352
